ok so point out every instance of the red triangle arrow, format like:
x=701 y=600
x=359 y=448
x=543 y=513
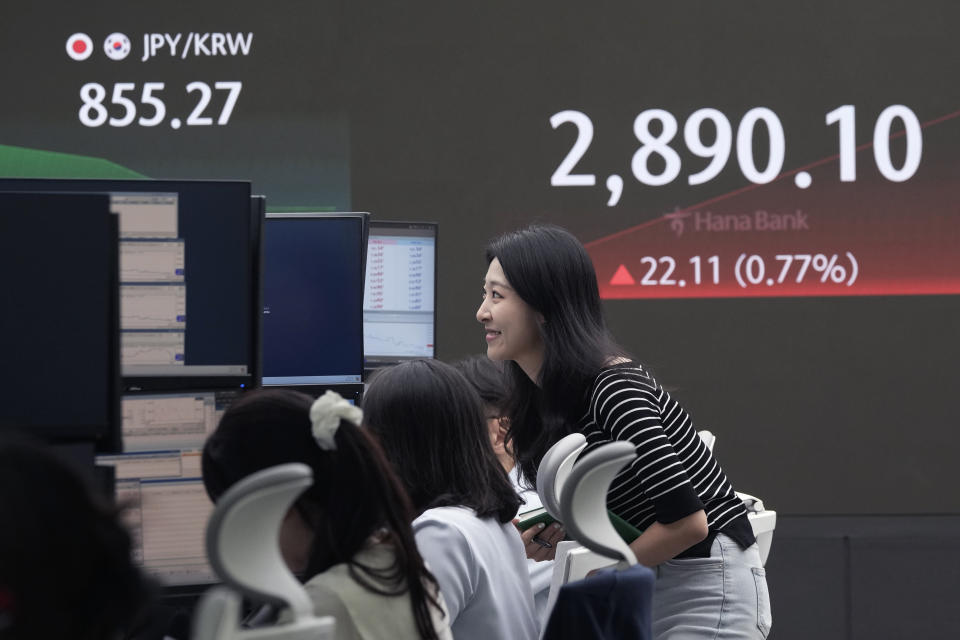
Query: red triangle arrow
x=622 y=277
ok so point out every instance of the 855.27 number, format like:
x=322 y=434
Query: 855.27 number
x=93 y=113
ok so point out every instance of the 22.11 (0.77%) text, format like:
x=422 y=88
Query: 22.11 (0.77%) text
x=748 y=270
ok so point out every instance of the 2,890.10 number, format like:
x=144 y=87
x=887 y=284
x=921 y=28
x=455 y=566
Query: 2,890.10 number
x=655 y=130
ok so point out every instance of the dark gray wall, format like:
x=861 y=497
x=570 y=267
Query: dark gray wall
x=865 y=578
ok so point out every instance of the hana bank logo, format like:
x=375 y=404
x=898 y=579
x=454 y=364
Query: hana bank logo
x=677 y=219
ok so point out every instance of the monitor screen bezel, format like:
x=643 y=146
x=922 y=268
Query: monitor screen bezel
x=353 y=392
x=258 y=220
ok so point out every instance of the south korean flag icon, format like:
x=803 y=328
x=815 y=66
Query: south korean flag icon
x=79 y=46
x=116 y=46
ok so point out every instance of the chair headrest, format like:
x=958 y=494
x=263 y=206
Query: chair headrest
x=554 y=470
x=243 y=536
x=583 y=503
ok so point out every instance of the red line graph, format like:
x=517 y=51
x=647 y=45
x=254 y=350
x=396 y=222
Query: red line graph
x=786 y=174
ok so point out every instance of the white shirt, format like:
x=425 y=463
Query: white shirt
x=362 y=614
x=541 y=573
x=531 y=500
x=481 y=568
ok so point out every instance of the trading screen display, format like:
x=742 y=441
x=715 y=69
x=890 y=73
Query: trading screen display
x=159 y=479
x=313 y=292
x=186 y=274
x=399 y=307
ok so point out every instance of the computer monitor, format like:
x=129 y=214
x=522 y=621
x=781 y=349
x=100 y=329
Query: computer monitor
x=399 y=301
x=159 y=480
x=313 y=296
x=187 y=278
x=158 y=477
x=258 y=214
x=58 y=329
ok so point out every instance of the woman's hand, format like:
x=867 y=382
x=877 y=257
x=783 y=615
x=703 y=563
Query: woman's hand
x=661 y=542
x=540 y=542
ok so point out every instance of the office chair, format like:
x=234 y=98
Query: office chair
x=583 y=502
x=552 y=473
x=554 y=469
x=762 y=520
x=244 y=551
x=610 y=604
x=575 y=558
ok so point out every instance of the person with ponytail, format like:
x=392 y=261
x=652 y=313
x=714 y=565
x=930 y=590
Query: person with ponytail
x=431 y=425
x=541 y=313
x=348 y=537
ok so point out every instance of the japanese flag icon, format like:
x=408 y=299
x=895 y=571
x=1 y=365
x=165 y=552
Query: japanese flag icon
x=79 y=46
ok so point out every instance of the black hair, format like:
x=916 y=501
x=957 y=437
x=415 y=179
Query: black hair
x=65 y=558
x=354 y=494
x=430 y=422
x=488 y=379
x=551 y=271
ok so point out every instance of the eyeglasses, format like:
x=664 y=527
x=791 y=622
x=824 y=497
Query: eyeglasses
x=503 y=420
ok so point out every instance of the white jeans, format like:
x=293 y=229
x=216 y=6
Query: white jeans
x=721 y=597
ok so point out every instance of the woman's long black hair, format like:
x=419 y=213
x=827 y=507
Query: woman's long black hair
x=430 y=422
x=552 y=272
x=354 y=495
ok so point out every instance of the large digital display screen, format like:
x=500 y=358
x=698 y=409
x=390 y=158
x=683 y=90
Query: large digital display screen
x=768 y=190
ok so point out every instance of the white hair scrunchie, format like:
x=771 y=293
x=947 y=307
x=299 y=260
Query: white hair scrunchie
x=325 y=415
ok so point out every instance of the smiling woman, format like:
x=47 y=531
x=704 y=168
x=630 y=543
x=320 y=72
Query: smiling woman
x=541 y=312
x=510 y=324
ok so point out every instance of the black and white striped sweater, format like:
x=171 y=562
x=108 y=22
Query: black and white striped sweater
x=674 y=474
